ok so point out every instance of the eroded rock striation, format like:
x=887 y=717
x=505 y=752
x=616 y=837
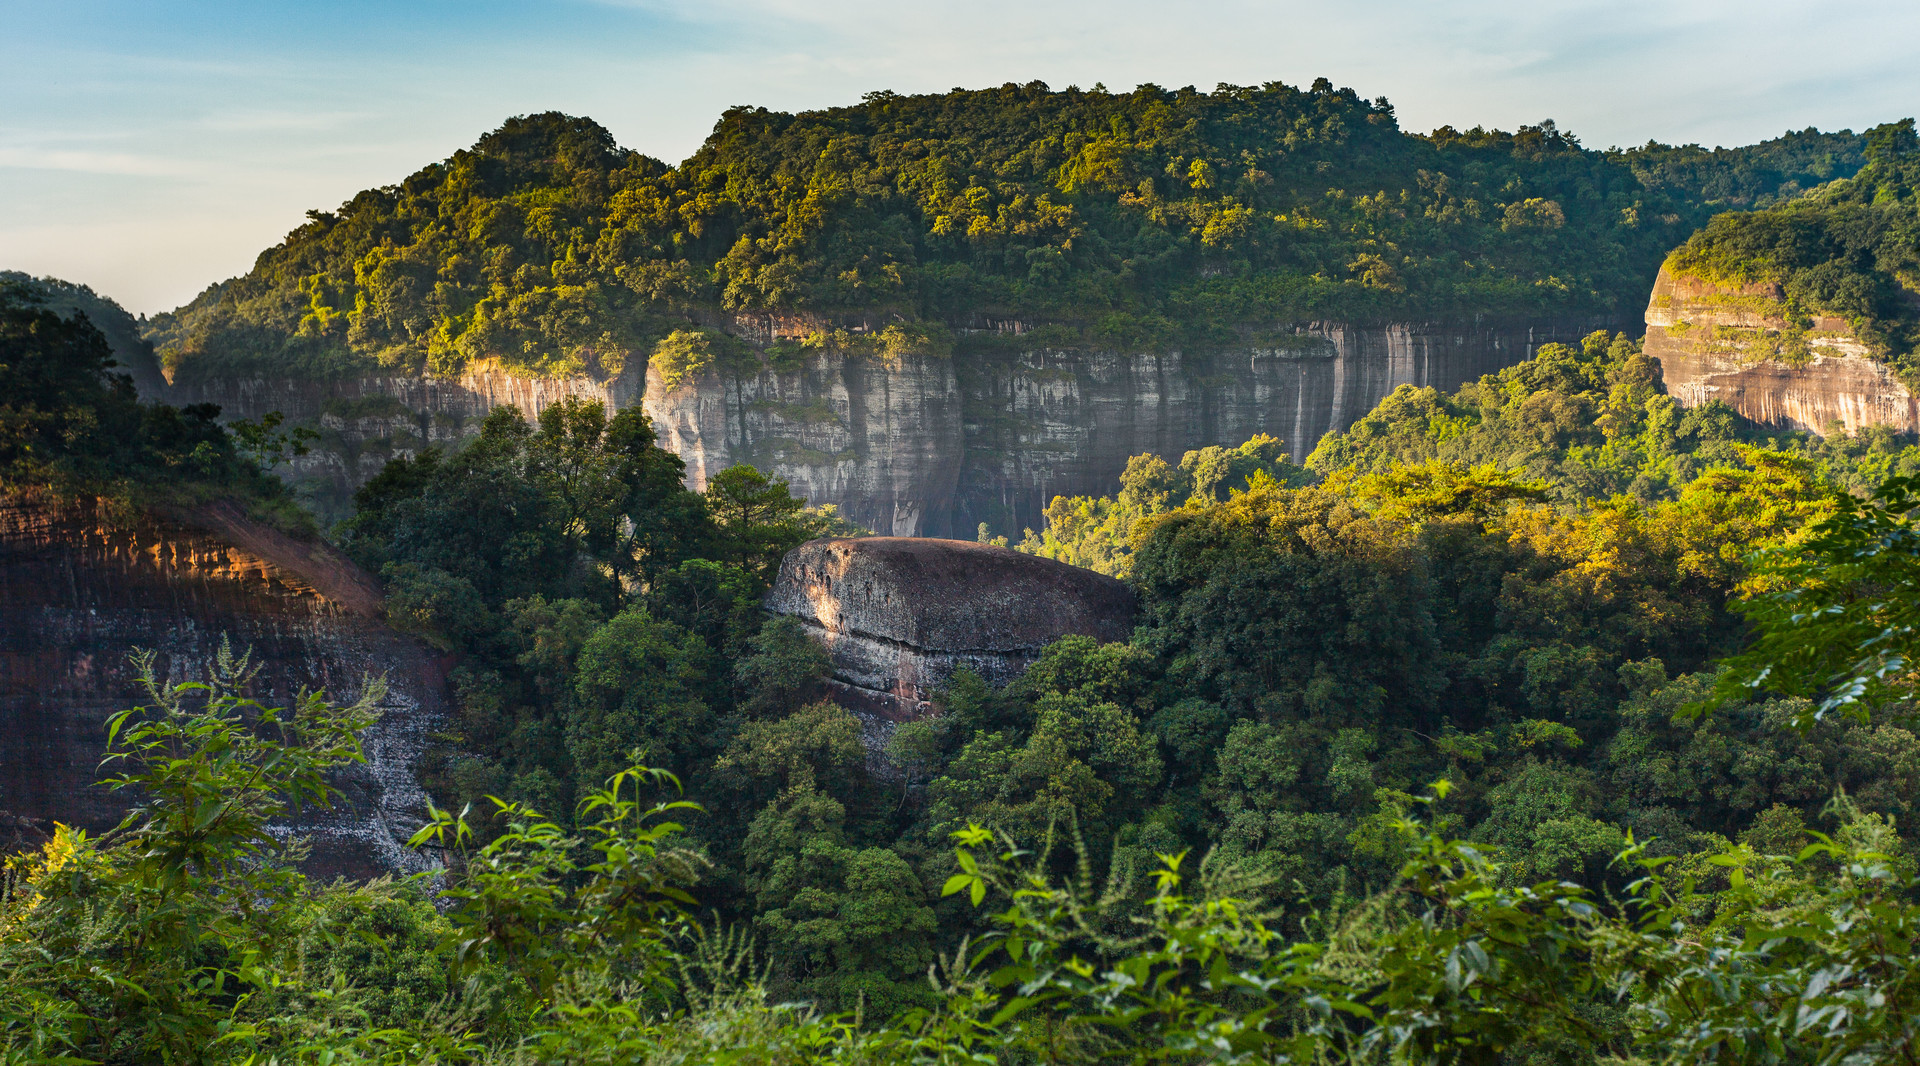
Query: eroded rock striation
x=917 y=443
x=900 y=615
x=364 y=421
x=80 y=589
x=1737 y=344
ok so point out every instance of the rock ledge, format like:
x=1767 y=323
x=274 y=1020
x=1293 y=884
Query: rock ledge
x=900 y=615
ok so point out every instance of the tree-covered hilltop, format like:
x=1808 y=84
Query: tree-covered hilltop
x=1850 y=250
x=1754 y=176
x=1140 y=218
x=72 y=425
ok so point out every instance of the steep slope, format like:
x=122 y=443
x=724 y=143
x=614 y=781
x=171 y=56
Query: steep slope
x=80 y=588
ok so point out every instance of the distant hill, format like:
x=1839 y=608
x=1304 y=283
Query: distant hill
x=131 y=351
x=1146 y=218
x=1755 y=176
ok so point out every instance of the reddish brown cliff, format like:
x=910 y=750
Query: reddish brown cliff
x=899 y=615
x=1736 y=344
x=80 y=589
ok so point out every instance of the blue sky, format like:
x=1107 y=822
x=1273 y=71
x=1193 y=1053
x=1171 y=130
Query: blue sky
x=150 y=148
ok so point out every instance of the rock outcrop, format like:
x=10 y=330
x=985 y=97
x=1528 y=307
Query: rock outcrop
x=1736 y=344
x=899 y=615
x=921 y=444
x=79 y=590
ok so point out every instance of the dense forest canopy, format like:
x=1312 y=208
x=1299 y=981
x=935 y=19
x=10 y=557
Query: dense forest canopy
x=1131 y=219
x=1433 y=744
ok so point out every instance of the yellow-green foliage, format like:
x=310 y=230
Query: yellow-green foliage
x=684 y=356
x=1123 y=218
x=1099 y=533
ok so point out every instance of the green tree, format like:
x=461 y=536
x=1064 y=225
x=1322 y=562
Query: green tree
x=638 y=687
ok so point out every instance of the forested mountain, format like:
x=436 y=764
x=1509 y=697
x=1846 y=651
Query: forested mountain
x=1124 y=219
x=132 y=353
x=1849 y=253
x=72 y=424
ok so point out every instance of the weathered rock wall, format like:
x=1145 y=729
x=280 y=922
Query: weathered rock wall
x=1735 y=344
x=923 y=444
x=80 y=590
x=900 y=615
x=365 y=421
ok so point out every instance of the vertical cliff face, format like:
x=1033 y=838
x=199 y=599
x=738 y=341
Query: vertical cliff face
x=933 y=445
x=80 y=590
x=920 y=444
x=900 y=615
x=365 y=421
x=1736 y=344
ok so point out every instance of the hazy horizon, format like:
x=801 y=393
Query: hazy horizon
x=154 y=149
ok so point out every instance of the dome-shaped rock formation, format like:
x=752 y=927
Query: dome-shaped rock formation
x=899 y=615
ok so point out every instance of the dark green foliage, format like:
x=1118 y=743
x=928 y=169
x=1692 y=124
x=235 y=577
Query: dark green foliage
x=1836 y=611
x=637 y=684
x=1758 y=175
x=71 y=423
x=133 y=353
x=1130 y=220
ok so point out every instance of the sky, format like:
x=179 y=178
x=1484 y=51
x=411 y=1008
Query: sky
x=151 y=148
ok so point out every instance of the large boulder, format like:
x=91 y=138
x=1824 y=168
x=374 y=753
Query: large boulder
x=899 y=615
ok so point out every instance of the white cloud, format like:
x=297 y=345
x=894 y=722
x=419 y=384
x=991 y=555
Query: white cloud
x=95 y=162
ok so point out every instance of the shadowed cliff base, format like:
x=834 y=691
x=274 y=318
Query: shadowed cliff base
x=81 y=587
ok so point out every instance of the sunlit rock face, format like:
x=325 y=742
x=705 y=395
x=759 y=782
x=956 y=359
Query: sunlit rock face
x=933 y=445
x=79 y=590
x=900 y=615
x=1736 y=344
x=916 y=443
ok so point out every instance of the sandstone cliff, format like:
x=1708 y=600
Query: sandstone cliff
x=922 y=444
x=1736 y=344
x=79 y=590
x=899 y=615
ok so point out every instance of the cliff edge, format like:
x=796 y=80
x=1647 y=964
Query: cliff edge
x=900 y=615
x=1738 y=344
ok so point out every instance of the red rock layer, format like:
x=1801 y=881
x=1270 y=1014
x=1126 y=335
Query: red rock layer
x=80 y=589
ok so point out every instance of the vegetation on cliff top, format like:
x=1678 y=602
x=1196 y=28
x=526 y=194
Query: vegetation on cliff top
x=1126 y=219
x=1572 y=424
x=1850 y=249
